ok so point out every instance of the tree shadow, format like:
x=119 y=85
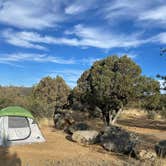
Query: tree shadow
x=8 y=159
x=143 y=123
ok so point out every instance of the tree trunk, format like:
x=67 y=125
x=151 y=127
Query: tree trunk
x=106 y=118
x=116 y=116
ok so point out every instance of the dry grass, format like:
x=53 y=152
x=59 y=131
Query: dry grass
x=45 y=122
x=139 y=113
x=130 y=113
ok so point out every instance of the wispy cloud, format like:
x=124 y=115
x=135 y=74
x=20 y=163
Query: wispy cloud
x=39 y=14
x=31 y=14
x=103 y=38
x=156 y=15
x=22 y=39
x=140 y=12
x=160 y=38
x=29 y=39
x=40 y=58
x=77 y=7
x=82 y=36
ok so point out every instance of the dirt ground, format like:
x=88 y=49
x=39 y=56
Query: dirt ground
x=58 y=151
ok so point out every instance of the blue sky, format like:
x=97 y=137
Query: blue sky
x=54 y=37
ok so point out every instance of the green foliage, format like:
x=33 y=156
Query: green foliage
x=48 y=94
x=148 y=92
x=110 y=83
x=13 y=96
x=40 y=100
x=162 y=105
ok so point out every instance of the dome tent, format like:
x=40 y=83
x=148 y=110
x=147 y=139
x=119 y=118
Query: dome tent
x=17 y=126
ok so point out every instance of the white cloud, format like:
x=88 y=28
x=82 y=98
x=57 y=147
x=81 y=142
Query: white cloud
x=80 y=36
x=118 y=9
x=74 y=9
x=161 y=38
x=22 y=39
x=101 y=38
x=40 y=14
x=34 y=40
x=140 y=12
x=33 y=14
x=83 y=37
x=156 y=15
x=41 y=58
x=78 y=6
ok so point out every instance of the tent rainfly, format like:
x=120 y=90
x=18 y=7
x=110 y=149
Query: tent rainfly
x=17 y=126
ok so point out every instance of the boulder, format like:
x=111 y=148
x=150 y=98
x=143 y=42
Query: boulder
x=85 y=137
x=118 y=140
x=160 y=148
x=77 y=126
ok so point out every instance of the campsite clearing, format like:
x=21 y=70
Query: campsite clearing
x=57 y=150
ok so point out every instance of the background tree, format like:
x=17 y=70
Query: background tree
x=50 y=93
x=148 y=92
x=11 y=95
x=162 y=53
x=109 y=84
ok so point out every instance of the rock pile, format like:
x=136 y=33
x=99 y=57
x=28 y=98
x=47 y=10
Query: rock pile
x=112 y=138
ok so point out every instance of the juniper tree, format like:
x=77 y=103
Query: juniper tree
x=109 y=84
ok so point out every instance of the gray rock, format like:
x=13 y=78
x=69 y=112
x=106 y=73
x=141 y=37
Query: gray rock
x=160 y=148
x=75 y=127
x=62 y=120
x=118 y=140
x=85 y=137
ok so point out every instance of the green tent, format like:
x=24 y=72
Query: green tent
x=17 y=126
x=15 y=111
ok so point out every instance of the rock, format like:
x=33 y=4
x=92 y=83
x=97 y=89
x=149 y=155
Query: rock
x=160 y=148
x=75 y=127
x=142 y=152
x=85 y=137
x=118 y=140
x=62 y=120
